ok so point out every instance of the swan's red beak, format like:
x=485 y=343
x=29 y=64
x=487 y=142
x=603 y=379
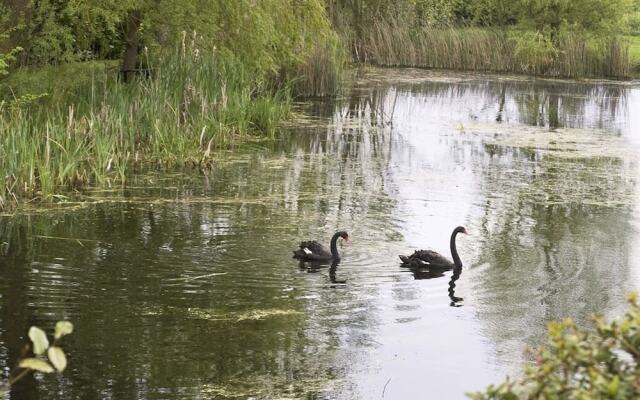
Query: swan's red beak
x=466 y=231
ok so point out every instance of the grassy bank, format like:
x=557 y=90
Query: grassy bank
x=96 y=130
x=572 y=54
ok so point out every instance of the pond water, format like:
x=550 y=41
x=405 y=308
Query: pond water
x=183 y=286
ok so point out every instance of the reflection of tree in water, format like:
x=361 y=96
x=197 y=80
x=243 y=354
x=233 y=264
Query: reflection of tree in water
x=556 y=105
x=546 y=103
x=555 y=247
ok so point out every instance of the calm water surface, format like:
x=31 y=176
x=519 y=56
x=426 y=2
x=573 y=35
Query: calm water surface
x=183 y=286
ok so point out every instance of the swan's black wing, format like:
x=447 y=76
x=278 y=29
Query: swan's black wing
x=428 y=259
x=314 y=247
x=432 y=257
x=312 y=250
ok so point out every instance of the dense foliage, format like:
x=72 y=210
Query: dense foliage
x=581 y=364
x=219 y=71
x=540 y=14
x=196 y=103
x=267 y=34
x=632 y=19
x=9 y=56
x=573 y=38
x=276 y=37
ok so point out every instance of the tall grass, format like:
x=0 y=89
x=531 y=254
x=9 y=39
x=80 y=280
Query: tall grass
x=575 y=54
x=194 y=103
x=321 y=72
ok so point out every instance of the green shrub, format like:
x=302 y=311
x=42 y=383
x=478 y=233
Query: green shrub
x=581 y=364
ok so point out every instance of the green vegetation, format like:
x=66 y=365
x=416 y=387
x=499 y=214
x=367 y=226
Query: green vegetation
x=55 y=360
x=196 y=102
x=579 y=364
x=634 y=52
x=9 y=56
x=498 y=50
x=6 y=58
x=102 y=88
x=271 y=37
x=570 y=38
x=560 y=38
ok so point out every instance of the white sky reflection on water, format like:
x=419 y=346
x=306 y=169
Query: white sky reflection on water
x=438 y=176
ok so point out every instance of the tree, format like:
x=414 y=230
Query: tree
x=487 y=12
x=268 y=35
x=6 y=58
x=9 y=56
x=591 y=15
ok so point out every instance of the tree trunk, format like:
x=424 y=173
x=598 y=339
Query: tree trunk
x=130 y=60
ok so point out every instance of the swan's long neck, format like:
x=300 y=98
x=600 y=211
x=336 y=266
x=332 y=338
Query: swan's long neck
x=454 y=251
x=334 y=246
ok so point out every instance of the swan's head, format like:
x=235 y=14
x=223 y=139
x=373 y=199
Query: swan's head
x=462 y=229
x=344 y=235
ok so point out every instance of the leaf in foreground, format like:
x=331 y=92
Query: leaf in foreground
x=57 y=358
x=63 y=328
x=36 y=365
x=39 y=339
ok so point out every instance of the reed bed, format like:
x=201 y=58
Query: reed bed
x=322 y=71
x=194 y=103
x=574 y=55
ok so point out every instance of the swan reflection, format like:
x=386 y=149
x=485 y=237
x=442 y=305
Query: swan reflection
x=452 y=286
x=315 y=267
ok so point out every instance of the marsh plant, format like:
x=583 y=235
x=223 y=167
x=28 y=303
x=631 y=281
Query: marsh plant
x=196 y=102
x=321 y=72
x=573 y=38
x=570 y=54
x=48 y=357
x=603 y=363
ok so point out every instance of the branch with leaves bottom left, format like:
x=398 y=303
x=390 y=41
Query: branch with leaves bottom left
x=48 y=358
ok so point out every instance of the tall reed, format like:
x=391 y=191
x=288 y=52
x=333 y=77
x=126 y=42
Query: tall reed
x=194 y=103
x=390 y=43
x=321 y=72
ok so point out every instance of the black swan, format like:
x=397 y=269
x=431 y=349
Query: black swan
x=314 y=251
x=435 y=261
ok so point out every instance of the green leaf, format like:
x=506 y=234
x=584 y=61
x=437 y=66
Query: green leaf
x=36 y=364
x=39 y=340
x=57 y=358
x=63 y=328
